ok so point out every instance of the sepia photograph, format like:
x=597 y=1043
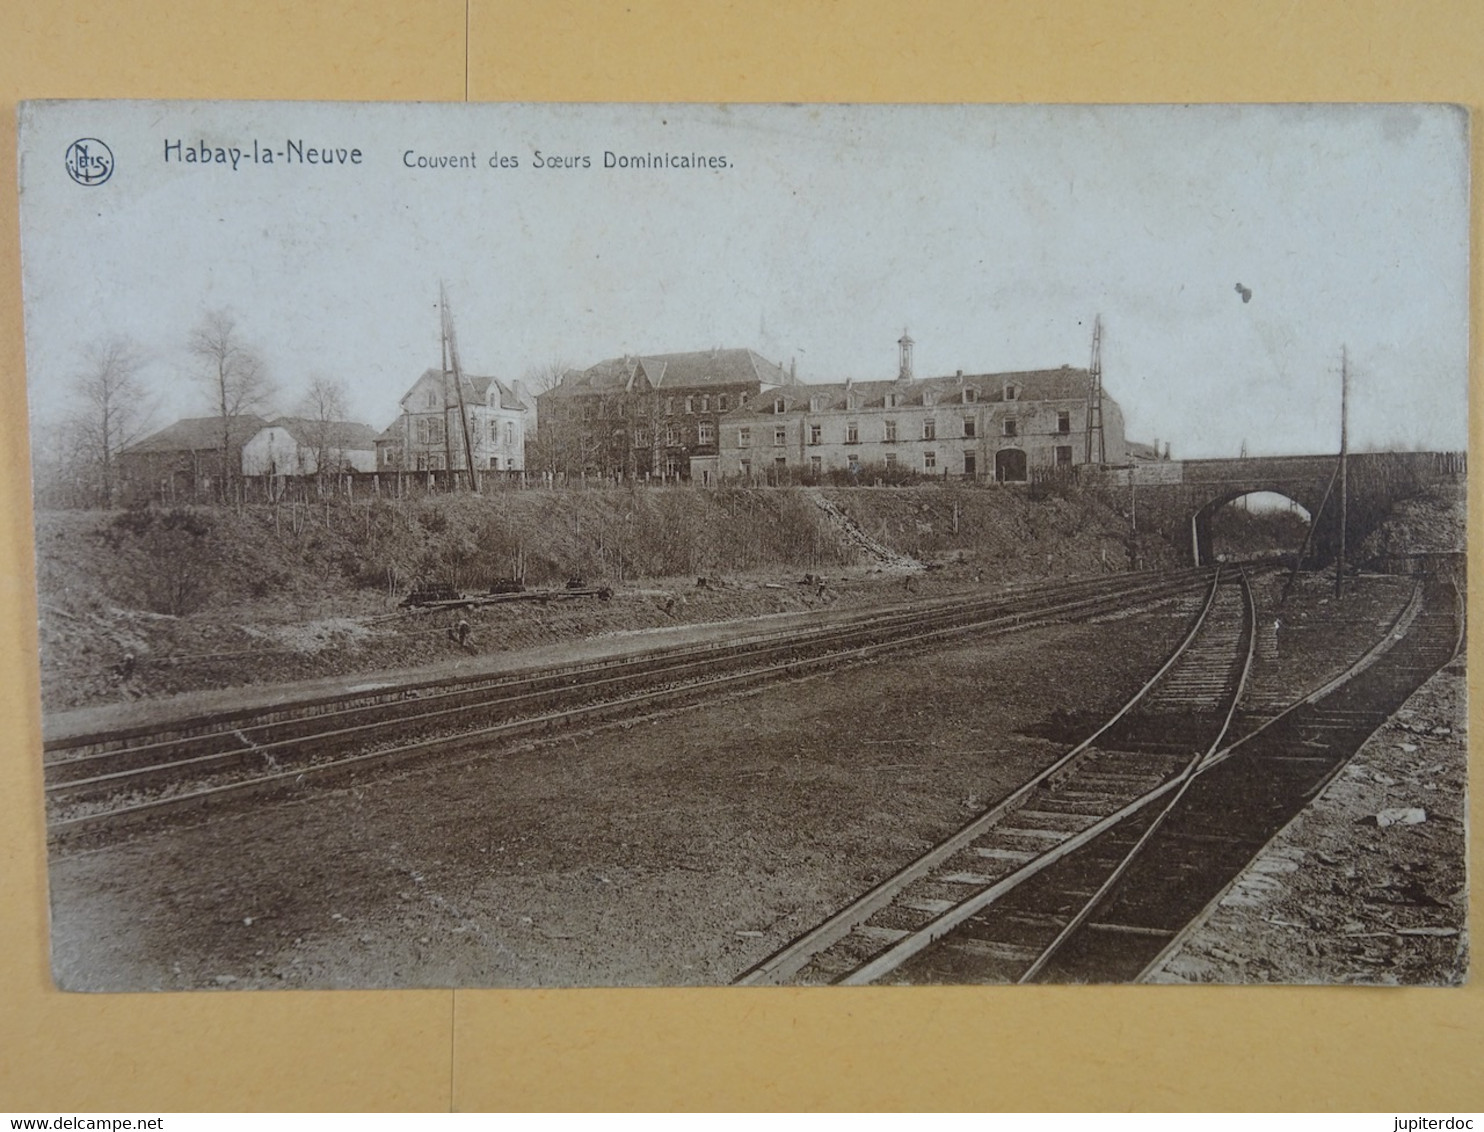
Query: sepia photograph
x=749 y=545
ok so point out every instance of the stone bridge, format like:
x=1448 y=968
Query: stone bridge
x=1186 y=493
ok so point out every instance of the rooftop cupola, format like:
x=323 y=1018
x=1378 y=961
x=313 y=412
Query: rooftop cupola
x=904 y=352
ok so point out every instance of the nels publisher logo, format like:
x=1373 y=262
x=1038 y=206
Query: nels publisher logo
x=89 y=161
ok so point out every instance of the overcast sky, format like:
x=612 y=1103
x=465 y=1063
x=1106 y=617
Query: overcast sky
x=995 y=234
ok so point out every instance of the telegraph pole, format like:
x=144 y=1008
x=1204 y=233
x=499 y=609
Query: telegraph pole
x=1344 y=452
x=1094 y=424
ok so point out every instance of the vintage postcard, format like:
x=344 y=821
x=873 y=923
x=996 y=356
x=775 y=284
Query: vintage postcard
x=554 y=545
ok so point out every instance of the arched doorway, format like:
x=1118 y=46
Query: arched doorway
x=1009 y=465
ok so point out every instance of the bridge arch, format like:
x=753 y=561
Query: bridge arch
x=1204 y=521
x=1180 y=496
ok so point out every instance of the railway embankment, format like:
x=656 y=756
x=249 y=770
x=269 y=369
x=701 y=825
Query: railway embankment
x=140 y=604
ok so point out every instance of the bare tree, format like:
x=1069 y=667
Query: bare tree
x=547 y=376
x=112 y=411
x=323 y=406
x=234 y=375
x=560 y=440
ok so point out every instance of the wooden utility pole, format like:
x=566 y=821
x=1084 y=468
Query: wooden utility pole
x=451 y=346
x=443 y=335
x=1344 y=452
x=1094 y=448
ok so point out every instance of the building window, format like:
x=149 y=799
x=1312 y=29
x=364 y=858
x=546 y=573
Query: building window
x=721 y=403
x=816 y=465
x=853 y=462
x=1064 y=423
x=780 y=461
x=778 y=405
x=509 y=434
x=1063 y=455
x=429 y=430
x=744 y=438
x=494 y=431
x=672 y=436
x=1012 y=427
x=587 y=411
x=706 y=433
x=706 y=403
x=816 y=404
x=929 y=429
x=852 y=433
x=890 y=432
x=816 y=433
x=891 y=459
x=891 y=401
x=970 y=395
x=690 y=404
x=669 y=406
x=742 y=400
x=747 y=467
x=970 y=464
x=641 y=438
x=1012 y=392
x=672 y=467
x=928 y=398
x=968 y=426
x=780 y=437
x=430 y=399
x=929 y=461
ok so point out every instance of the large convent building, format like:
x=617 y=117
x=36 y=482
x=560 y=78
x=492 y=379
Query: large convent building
x=1000 y=426
x=655 y=417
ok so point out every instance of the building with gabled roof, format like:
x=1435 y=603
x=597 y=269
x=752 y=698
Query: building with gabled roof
x=651 y=415
x=496 y=416
x=304 y=446
x=1001 y=426
x=184 y=460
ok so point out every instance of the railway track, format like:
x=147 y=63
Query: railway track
x=1091 y=870
x=107 y=780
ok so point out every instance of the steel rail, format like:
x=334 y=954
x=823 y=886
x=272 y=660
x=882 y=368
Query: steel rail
x=1186 y=777
x=558 y=680
x=792 y=958
x=270 y=750
x=908 y=946
x=1181 y=937
x=67 y=826
x=796 y=955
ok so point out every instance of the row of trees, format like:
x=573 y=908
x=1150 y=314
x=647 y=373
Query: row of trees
x=112 y=407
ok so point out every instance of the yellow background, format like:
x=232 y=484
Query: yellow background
x=995 y=1048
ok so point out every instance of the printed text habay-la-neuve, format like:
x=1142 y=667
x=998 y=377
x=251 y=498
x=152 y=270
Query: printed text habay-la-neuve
x=294 y=151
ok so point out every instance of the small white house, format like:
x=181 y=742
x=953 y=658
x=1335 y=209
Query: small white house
x=297 y=446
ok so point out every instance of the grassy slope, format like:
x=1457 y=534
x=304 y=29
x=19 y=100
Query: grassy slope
x=214 y=597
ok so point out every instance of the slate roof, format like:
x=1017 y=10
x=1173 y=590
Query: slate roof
x=476 y=390
x=1064 y=384
x=349 y=436
x=196 y=434
x=697 y=369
